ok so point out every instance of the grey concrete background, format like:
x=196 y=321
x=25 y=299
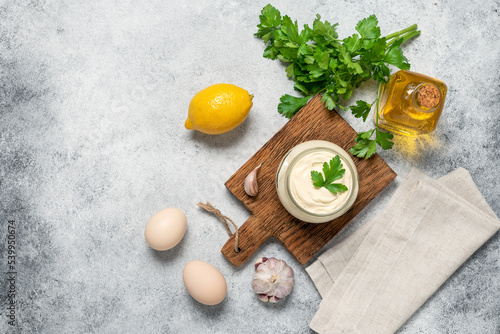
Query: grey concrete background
x=93 y=98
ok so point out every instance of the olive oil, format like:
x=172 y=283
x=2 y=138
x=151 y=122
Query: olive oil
x=411 y=103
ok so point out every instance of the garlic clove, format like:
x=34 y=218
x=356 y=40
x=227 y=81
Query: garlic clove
x=273 y=279
x=263 y=297
x=259 y=261
x=251 y=186
x=274 y=299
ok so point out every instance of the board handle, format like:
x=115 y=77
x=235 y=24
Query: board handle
x=251 y=235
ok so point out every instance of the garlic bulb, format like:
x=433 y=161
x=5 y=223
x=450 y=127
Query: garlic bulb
x=272 y=280
x=251 y=186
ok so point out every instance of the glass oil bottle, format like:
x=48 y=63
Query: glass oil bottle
x=411 y=103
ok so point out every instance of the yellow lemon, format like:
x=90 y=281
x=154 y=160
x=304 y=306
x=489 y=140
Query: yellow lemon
x=218 y=109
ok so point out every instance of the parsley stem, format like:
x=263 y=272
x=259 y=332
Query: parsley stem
x=317 y=91
x=405 y=37
x=378 y=99
x=409 y=35
x=401 y=32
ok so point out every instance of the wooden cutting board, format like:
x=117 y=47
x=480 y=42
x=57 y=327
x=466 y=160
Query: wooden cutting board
x=269 y=218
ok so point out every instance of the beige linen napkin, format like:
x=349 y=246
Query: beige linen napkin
x=375 y=279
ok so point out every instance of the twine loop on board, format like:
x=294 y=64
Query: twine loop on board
x=224 y=219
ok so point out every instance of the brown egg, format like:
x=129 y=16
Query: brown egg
x=204 y=282
x=165 y=229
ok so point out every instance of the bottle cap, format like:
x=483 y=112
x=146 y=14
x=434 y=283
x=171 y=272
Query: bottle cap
x=429 y=96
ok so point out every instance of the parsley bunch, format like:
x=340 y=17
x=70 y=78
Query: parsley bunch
x=319 y=62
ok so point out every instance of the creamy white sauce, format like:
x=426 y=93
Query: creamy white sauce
x=313 y=199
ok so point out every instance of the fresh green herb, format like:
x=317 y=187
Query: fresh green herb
x=365 y=146
x=333 y=171
x=321 y=63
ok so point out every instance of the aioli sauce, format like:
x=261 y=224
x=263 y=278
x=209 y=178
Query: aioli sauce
x=313 y=199
x=295 y=188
